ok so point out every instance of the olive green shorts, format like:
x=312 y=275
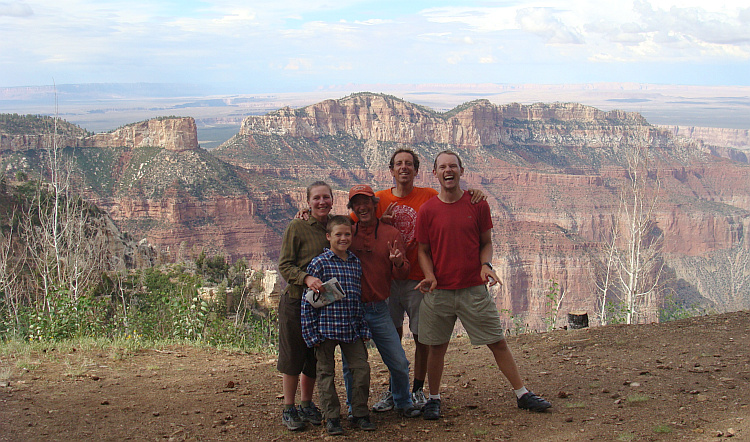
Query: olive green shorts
x=473 y=306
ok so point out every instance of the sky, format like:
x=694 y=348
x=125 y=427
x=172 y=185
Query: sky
x=256 y=46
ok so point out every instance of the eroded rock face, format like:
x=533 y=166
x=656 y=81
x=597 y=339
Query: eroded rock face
x=177 y=134
x=387 y=119
x=553 y=174
x=739 y=138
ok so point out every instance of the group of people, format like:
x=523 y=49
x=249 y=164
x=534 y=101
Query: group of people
x=404 y=250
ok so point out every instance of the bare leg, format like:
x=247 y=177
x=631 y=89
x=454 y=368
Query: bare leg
x=421 y=352
x=307 y=386
x=289 y=383
x=435 y=364
x=506 y=363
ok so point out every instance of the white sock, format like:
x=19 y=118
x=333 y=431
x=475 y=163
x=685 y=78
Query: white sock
x=520 y=392
x=435 y=396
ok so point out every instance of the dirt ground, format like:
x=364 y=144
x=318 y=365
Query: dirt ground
x=682 y=380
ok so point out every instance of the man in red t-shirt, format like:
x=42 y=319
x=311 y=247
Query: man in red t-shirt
x=455 y=254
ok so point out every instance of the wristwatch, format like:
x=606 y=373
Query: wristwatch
x=488 y=264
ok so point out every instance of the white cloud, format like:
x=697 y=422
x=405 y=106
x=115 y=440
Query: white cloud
x=299 y=64
x=15 y=9
x=544 y=23
x=380 y=40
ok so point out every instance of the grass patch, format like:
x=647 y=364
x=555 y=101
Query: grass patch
x=576 y=405
x=637 y=398
x=75 y=370
x=626 y=437
x=5 y=373
x=663 y=428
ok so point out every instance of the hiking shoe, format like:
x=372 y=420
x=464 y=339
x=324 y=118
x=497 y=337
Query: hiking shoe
x=311 y=414
x=419 y=398
x=385 y=403
x=291 y=419
x=431 y=410
x=530 y=401
x=363 y=422
x=333 y=427
x=410 y=411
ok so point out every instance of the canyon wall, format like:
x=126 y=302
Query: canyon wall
x=553 y=174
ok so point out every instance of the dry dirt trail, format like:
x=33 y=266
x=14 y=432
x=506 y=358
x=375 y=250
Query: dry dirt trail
x=682 y=380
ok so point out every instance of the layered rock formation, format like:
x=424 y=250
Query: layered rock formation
x=176 y=134
x=172 y=133
x=553 y=174
x=738 y=138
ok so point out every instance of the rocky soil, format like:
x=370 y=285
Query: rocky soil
x=682 y=380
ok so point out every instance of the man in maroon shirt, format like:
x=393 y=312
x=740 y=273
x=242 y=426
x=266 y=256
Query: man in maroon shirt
x=381 y=252
x=455 y=253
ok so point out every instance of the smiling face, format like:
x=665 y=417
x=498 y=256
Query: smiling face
x=321 y=202
x=340 y=239
x=364 y=207
x=404 y=170
x=448 y=171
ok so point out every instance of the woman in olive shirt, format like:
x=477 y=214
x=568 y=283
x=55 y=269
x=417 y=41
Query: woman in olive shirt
x=303 y=240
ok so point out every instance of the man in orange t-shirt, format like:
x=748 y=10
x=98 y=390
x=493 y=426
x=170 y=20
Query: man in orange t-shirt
x=398 y=206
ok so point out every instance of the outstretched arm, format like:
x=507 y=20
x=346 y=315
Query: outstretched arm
x=429 y=283
x=485 y=256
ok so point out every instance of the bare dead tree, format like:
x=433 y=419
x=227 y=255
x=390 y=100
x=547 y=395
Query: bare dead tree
x=65 y=236
x=634 y=265
x=12 y=256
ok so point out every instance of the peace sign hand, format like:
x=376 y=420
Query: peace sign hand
x=395 y=255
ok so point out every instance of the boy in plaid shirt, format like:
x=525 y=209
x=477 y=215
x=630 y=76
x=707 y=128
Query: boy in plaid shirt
x=342 y=324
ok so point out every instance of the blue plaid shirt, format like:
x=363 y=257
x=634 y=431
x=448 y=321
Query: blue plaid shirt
x=342 y=320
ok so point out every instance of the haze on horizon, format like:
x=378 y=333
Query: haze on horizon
x=240 y=47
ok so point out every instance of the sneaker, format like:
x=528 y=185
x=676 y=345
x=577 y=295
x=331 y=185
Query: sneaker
x=333 y=427
x=311 y=414
x=530 y=401
x=410 y=411
x=363 y=422
x=291 y=419
x=431 y=410
x=385 y=403
x=419 y=398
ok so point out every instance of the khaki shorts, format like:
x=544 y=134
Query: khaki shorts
x=405 y=298
x=473 y=306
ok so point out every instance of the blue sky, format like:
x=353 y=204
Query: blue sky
x=251 y=46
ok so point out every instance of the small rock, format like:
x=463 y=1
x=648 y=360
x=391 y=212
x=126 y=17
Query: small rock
x=230 y=384
x=562 y=395
x=155 y=413
x=105 y=402
x=568 y=419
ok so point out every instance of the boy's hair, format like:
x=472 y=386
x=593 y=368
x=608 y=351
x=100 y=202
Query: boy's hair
x=414 y=157
x=447 y=152
x=338 y=220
